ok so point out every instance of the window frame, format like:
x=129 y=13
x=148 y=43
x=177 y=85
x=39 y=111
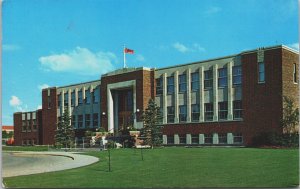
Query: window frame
x=195 y=113
x=207 y=113
x=237 y=111
x=261 y=72
x=182 y=83
x=159 y=86
x=80 y=121
x=182 y=115
x=195 y=82
x=236 y=74
x=295 y=73
x=223 y=110
x=208 y=81
x=170 y=85
x=170 y=116
x=222 y=77
x=80 y=98
x=87 y=120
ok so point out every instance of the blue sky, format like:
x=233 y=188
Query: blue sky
x=60 y=42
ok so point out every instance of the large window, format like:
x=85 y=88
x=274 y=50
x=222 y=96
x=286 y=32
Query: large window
x=195 y=112
x=237 y=138
x=182 y=113
x=237 y=109
x=182 y=139
x=96 y=95
x=222 y=138
x=236 y=75
x=73 y=98
x=24 y=127
x=80 y=121
x=87 y=120
x=171 y=112
x=87 y=97
x=295 y=74
x=182 y=83
x=59 y=100
x=95 y=120
x=209 y=111
x=261 y=72
x=208 y=79
x=195 y=139
x=208 y=138
x=170 y=139
x=49 y=102
x=195 y=81
x=222 y=79
x=170 y=85
x=159 y=86
x=223 y=110
x=80 y=97
x=34 y=124
x=66 y=99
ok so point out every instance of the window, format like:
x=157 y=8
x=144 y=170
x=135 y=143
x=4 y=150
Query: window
x=195 y=139
x=182 y=83
x=170 y=139
x=24 y=127
x=96 y=95
x=33 y=142
x=170 y=85
x=236 y=75
x=66 y=99
x=222 y=138
x=237 y=138
x=87 y=97
x=159 y=86
x=222 y=79
x=49 y=102
x=182 y=139
x=28 y=125
x=73 y=98
x=95 y=120
x=209 y=111
x=195 y=81
x=182 y=113
x=208 y=139
x=261 y=72
x=80 y=121
x=73 y=121
x=237 y=109
x=170 y=116
x=295 y=73
x=223 y=110
x=195 y=112
x=34 y=124
x=87 y=120
x=59 y=100
x=79 y=97
x=208 y=79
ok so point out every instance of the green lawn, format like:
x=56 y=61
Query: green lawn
x=25 y=148
x=177 y=167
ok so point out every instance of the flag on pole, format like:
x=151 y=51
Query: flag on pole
x=129 y=51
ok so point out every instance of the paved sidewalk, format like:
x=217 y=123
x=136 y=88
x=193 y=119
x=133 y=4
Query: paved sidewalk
x=26 y=163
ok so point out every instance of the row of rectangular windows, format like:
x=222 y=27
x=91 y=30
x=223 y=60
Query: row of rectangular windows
x=26 y=126
x=94 y=96
x=208 y=80
x=208 y=139
x=208 y=111
x=28 y=142
x=89 y=121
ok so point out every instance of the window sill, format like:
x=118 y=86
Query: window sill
x=295 y=83
x=261 y=82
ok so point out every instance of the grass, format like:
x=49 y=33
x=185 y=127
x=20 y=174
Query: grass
x=176 y=167
x=25 y=148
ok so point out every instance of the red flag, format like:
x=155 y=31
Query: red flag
x=129 y=51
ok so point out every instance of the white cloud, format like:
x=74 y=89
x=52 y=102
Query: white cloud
x=80 y=61
x=180 y=47
x=15 y=101
x=39 y=107
x=17 y=104
x=43 y=86
x=10 y=47
x=212 y=10
x=294 y=46
x=184 y=48
x=140 y=58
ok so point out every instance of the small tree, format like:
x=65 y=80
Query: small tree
x=65 y=132
x=152 y=131
x=290 y=117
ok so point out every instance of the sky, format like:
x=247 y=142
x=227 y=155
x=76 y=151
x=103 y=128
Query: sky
x=61 y=42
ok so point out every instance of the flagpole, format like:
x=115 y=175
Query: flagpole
x=124 y=57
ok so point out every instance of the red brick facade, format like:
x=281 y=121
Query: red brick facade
x=262 y=102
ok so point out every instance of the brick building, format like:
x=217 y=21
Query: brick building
x=226 y=100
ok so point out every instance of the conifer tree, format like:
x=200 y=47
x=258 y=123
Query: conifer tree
x=152 y=130
x=65 y=132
